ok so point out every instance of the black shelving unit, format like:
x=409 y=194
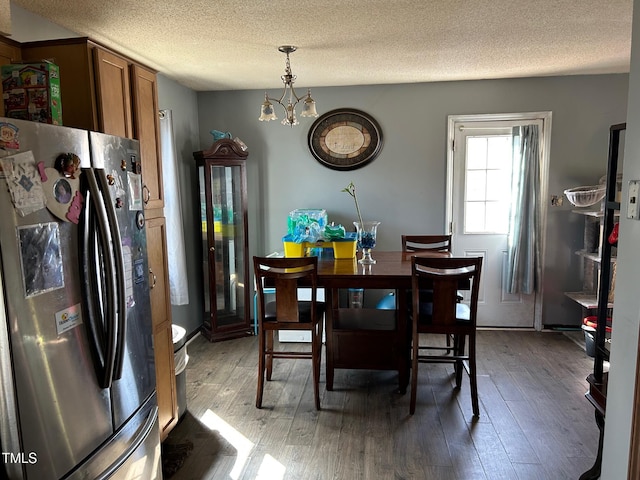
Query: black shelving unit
x=598 y=380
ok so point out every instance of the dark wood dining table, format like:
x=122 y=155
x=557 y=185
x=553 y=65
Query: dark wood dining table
x=368 y=338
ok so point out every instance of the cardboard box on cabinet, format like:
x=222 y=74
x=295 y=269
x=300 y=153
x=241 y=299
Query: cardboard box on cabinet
x=31 y=91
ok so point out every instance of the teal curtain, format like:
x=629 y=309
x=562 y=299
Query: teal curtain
x=525 y=225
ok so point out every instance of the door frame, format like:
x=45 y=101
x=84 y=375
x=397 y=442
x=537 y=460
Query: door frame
x=545 y=148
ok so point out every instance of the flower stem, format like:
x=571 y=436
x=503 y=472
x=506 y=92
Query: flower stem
x=351 y=190
x=358 y=210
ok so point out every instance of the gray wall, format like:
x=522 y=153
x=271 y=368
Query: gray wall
x=404 y=187
x=28 y=27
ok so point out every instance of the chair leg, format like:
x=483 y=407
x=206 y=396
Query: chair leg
x=316 y=355
x=415 y=341
x=472 y=375
x=320 y=335
x=459 y=341
x=261 y=368
x=331 y=297
x=269 y=334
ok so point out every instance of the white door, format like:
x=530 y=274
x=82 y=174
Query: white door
x=480 y=196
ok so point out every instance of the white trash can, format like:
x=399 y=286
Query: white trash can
x=181 y=359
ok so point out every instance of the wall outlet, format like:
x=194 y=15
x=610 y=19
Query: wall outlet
x=556 y=200
x=634 y=198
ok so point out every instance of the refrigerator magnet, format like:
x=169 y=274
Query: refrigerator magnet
x=135 y=191
x=23 y=180
x=68 y=318
x=40 y=258
x=127 y=260
x=68 y=164
x=60 y=192
x=9 y=136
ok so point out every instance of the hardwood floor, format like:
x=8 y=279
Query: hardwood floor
x=534 y=420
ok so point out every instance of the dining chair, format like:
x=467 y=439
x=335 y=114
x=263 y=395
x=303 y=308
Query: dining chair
x=445 y=314
x=286 y=312
x=427 y=243
x=417 y=243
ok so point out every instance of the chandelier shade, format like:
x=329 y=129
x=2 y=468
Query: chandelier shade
x=289 y=99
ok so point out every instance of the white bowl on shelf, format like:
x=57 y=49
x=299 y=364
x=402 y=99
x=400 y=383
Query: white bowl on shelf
x=585 y=196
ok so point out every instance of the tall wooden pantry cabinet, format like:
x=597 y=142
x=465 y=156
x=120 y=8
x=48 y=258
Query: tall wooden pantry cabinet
x=104 y=91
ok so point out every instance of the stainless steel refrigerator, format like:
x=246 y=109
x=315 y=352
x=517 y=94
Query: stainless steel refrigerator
x=77 y=373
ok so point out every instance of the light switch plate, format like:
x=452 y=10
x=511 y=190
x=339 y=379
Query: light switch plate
x=634 y=198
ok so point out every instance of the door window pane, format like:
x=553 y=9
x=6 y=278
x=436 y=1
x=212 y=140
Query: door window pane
x=497 y=182
x=476 y=152
x=474 y=217
x=487 y=183
x=476 y=185
x=499 y=147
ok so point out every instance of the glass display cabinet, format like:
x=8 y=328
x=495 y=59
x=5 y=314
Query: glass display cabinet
x=225 y=252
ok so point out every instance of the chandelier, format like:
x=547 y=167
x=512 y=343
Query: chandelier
x=308 y=107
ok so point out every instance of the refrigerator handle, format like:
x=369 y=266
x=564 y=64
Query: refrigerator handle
x=118 y=260
x=98 y=225
x=90 y=294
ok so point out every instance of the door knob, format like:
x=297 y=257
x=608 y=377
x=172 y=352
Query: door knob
x=146 y=194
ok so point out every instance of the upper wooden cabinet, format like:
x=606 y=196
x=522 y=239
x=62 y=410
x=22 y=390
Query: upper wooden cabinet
x=113 y=92
x=9 y=52
x=146 y=128
x=107 y=92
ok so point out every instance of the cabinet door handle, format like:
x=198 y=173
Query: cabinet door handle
x=146 y=194
x=154 y=279
x=212 y=249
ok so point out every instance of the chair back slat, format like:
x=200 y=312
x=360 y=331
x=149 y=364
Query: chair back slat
x=287 y=299
x=445 y=293
x=419 y=243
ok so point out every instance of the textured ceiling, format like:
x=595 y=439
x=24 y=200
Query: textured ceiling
x=232 y=44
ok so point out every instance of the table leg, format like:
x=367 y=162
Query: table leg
x=594 y=472
x=331 y=299
x=404 y=341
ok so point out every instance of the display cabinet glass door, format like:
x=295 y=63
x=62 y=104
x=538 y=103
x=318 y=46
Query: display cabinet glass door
x=223 y=214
